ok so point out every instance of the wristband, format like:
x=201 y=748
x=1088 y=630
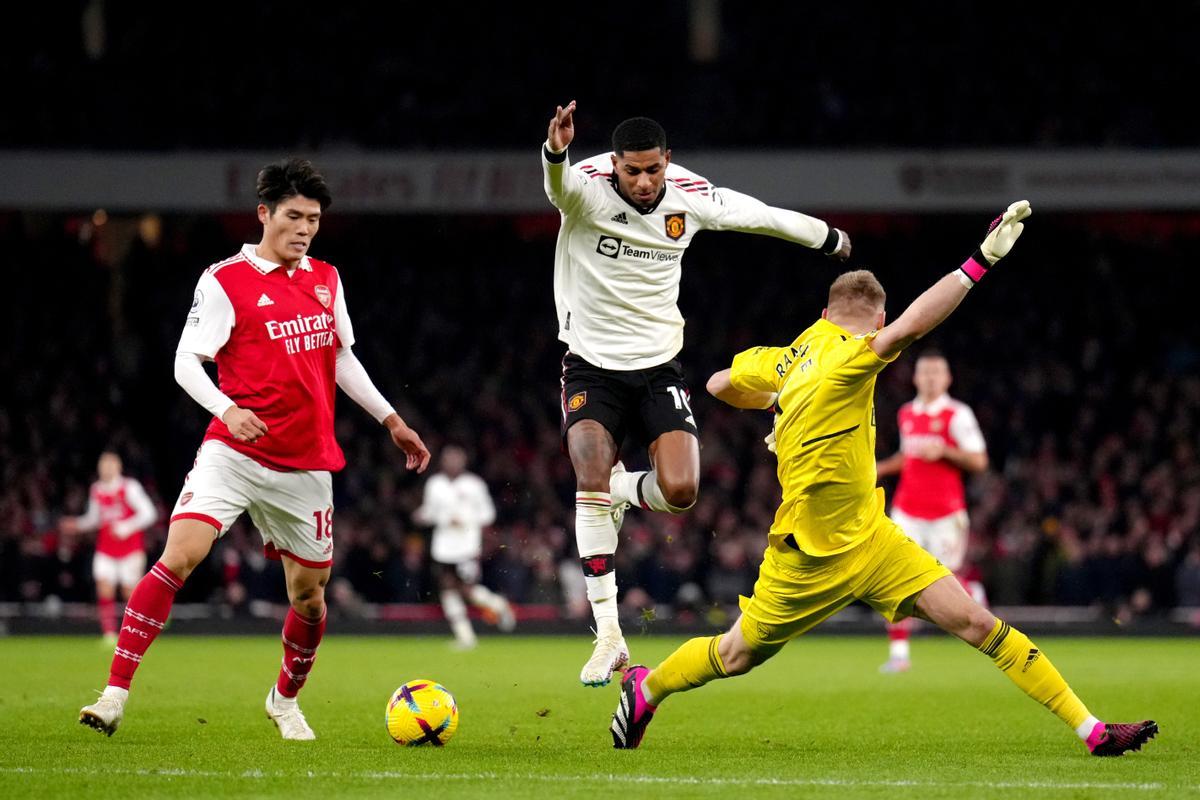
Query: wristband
x=975 y=267
x=833 y=240
x=553 y=157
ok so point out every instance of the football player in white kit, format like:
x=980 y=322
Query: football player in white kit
x=458 y=506
x=627 y=218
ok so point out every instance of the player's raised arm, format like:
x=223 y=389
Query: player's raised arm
x=938 y=301
x=565 y=187
x=734 y=211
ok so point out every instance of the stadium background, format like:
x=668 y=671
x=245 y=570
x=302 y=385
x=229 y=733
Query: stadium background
x=1081 y=357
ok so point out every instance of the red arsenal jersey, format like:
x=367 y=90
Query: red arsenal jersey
x=109 y=504
x=934 y=489
x=275 y=337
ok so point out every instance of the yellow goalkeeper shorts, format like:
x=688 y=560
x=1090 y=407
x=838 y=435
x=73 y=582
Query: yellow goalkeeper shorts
x=796 y=592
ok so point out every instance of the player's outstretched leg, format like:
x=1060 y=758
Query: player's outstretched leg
x=145 y=615
x=694 y=664
x=947 y=605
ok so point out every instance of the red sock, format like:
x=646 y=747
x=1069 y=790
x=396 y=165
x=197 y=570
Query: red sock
x=106 y=610
x=300 y=639
x=145 y=614
x=899 y=631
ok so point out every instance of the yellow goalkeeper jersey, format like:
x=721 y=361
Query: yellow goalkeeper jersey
x=824 y=434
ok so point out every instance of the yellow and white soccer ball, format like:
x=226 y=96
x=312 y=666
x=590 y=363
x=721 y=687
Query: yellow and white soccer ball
x=422 y=712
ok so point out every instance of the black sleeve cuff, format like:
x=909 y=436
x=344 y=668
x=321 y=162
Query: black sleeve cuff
x=832 y=241
x=554 y=158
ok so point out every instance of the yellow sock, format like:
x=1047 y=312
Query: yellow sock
x=1030 y=669
x=694 y=664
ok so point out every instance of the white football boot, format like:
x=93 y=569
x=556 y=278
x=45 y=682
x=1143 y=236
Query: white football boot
x=288 y=717
x=618 y=509
x=610 y=655
x=105 y=714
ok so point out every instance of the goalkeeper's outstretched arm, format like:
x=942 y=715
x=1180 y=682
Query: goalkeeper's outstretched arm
x=938 y=301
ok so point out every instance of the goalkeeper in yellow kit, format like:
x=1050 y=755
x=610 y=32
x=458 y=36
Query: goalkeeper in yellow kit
x=830 y=543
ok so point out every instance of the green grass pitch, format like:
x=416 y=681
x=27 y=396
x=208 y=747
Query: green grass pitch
x=817 y=721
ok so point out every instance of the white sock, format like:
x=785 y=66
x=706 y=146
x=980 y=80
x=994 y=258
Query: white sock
x=1085 y=730
x=480 y=595
x=623 y=487
x=646 y=493
x=279 y=701
x=596 y=536
x=605 y=609
x=898 y=649
x=116 y=692
x=456 y=614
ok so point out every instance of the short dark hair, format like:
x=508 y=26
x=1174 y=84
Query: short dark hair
x=291 y=177
x=639 y=133
x=932 y=352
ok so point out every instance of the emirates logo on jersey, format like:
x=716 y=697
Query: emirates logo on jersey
x=323 y=294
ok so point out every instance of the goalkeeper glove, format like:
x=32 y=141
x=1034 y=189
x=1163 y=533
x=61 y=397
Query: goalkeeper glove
x=1002 y=235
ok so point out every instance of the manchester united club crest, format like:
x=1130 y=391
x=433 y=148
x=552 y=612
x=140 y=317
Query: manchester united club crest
x=323 y=294
x=577 y=401
x=676 y=224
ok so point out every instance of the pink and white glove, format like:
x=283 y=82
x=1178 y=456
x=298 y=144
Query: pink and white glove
x=1002 y=235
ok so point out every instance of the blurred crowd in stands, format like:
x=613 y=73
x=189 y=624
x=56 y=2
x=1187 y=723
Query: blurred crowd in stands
x=94 y=74
x=1079 y=355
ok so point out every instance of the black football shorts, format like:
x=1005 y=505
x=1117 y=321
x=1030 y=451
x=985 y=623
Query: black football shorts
x=642 y=403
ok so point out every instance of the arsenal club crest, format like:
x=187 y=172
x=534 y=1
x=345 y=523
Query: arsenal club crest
x=676 y=224
x=323 y=294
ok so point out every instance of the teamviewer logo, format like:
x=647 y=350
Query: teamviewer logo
x=609 y=246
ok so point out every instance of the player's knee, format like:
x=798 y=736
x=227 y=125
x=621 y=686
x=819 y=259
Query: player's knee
x=310 y=603
x=179 y=561
x=679 y=493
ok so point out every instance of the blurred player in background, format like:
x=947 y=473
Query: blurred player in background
x=276 y=323
x=627 y=218
x=458 y=506
x=119 y=511
x=939 y=441
x=831 y=543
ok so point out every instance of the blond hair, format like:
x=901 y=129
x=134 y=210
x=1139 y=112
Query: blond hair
x=856 y=293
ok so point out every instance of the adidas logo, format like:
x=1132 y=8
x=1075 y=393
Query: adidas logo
x=621 y=218
x=1033 y=656
x=265 y=301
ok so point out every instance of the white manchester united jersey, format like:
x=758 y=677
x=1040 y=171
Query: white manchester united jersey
x=617 y=269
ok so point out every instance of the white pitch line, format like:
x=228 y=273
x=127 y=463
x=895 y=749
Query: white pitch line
x=256 y=774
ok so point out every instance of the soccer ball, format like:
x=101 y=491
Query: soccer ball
x=422 y=712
